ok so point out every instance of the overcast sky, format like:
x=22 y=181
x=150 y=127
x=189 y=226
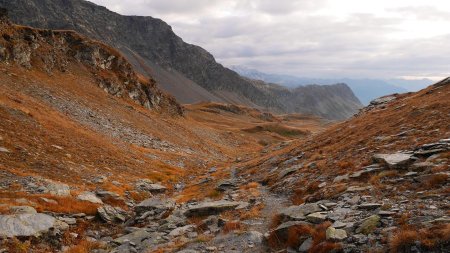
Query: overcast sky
x=312 y=38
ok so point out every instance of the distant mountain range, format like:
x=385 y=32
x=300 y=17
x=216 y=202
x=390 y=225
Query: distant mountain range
x=365 y=89
x=186 y=71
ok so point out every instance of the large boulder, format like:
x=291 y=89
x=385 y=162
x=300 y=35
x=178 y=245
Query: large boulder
x=25 y=225
x=209 y=208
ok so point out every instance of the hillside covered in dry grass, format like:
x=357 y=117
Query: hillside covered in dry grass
x=95 y=158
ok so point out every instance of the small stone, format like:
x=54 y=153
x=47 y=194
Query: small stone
x=4 y=150
x=410 y=174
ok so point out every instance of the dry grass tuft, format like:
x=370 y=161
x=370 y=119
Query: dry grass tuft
x=345 y=165
x=297 y=234
x=403 y=240
x=435 y=181
x=83 y=246
x=232 y=226
x=430 y=238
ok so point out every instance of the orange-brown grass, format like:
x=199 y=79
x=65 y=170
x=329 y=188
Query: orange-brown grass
x=139 y=196
x=440 y=168
x=84 y=246
x=254 y=212
x=430 y=238
x=435 y=181
x=17 y=246
x=297 y=234
x=275 y=221
x=335 y=190
x=232 y=226
x=250 y=185
x=300 y=194
x=67 y=205
x=345 y=165
x=63 y=205
x=375 y=180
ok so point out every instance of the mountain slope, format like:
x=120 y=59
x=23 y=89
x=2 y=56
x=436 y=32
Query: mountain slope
x=388 y=166
x=187 y=71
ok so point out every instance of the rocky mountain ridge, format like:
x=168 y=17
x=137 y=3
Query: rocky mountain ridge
x=186 y=71
x=55 y=50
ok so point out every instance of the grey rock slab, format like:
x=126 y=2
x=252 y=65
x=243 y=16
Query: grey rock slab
x=394 y=161
x=209 y=208
x=339 y=224
x=181 y=231
x=369 y=206
x=156 y=188
x=111 y=214
x=299 y=212
x=157 y=204
x=26 y=224
x=306 y=245
x=57 y=188
x=89 y=197
x=135 y=237
x=316 y=218
x=226 y=185
x=386 y=213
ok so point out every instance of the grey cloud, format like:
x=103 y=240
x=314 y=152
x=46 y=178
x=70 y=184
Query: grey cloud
x=290 y=37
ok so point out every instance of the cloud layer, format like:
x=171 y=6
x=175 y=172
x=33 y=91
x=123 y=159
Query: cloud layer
x=313 y=38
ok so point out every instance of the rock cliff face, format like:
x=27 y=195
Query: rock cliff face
x=51 y=51
x=187 y=71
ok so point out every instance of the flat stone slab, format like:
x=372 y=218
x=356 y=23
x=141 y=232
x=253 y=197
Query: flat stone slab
x=157 y=204
x=316 y=218
x=209 y=208
x=369 y=206
x=299 y=212
x=90 y=197
x=25 y=224
x=394 y=161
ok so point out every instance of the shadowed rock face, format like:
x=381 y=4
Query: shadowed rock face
x=154 y=49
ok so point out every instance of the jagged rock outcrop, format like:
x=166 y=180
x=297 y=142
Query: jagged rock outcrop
x=50 y=51
x=188 y=72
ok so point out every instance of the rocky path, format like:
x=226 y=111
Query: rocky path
x=250 y=218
